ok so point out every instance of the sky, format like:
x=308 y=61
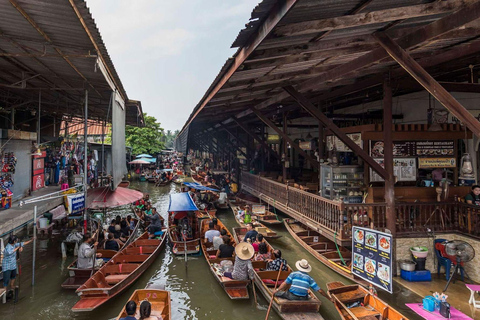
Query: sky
x=168 y=52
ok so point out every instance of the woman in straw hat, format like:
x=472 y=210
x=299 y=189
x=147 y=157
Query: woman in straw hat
x=298 y=283
x=242 y=269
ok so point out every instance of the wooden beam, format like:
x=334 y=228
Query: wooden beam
x=234 y=136
x=317 y=114
x=256 y=137
x=272 y=125
x=232 y=145
x=388 y=155
x=362 y=19
x=427 y=81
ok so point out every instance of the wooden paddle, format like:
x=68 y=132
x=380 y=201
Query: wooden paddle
x=273 y=293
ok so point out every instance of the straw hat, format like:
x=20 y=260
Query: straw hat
x=302 y=265
x=244 y=250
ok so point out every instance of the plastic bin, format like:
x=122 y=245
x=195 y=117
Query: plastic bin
x=416 y=276
x=420 y=263
x=49 y=216
x=42 y=223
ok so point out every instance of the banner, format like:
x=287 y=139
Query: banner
x=405 y=169
x=437 y=162
x=305 y=145
x=372 y=257
x=76 y=203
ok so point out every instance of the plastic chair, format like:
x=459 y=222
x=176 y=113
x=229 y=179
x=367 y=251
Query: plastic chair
x=442 y=261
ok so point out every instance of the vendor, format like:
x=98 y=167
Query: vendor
x=474 y=196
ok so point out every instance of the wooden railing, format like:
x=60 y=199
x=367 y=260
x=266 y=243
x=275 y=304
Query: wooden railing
x=338 y=217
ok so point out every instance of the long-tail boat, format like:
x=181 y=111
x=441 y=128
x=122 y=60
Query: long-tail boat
x=235 y=289
x=287 y=309
x=159 y=299
x=354 y=302
x=119 y=273
x=184 y=225
x=77 y=277
x=268 y=218
x=339 y=259
x=264 y=230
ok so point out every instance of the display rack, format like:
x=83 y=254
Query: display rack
x=342 y=183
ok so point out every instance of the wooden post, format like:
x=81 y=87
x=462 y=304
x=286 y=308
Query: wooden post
x=388 y=155
x=285 y=150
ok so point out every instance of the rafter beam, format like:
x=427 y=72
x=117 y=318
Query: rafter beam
x=317 y=114
x=362 y=19
x=272 y=125
x=428 y=82
x=254 y=136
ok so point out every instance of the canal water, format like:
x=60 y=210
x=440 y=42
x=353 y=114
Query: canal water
x=194 y=292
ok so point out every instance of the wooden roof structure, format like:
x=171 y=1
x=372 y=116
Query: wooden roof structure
x=54 y=47
x=336 y=54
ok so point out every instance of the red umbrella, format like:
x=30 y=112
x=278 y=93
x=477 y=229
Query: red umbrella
x=104 y=197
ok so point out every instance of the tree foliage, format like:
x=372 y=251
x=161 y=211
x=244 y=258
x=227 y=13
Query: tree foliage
x=169 y=138
x=148 y=139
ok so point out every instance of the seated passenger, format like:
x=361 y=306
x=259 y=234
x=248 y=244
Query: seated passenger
x=225 y=250
x=257 y=242
x=274 y=265
x=218 y=240
x=111 y=244
x=211 y=232
x=130 y=310
x=263 y=254
x=242 y=268
x=146 y=311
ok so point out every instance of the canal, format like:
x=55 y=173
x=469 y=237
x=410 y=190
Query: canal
x=194 y=292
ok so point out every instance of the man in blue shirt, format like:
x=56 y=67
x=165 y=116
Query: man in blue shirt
x=298 y=283
x=251 y=233
x=9 y=263
x=130 y=310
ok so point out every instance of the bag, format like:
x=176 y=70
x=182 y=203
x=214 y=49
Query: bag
x=445 y=309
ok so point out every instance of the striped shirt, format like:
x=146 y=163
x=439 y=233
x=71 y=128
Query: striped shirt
x=300 y=282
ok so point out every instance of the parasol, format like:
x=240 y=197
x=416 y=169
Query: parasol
x=139 y=161
x=104 y=197
x=143 y=155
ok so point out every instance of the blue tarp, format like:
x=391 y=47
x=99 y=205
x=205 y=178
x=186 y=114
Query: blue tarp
x=181 y=202
x=144 y=155
x=151 y=160
x=199 y=186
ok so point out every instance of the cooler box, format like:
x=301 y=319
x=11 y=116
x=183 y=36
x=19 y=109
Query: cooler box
x=415 y=276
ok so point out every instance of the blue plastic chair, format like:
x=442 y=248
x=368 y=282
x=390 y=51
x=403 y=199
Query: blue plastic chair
x=442 y=261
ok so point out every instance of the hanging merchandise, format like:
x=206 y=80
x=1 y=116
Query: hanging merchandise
x=9 y=161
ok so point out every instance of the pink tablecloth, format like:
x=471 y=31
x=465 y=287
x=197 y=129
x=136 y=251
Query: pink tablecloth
x=418 y=308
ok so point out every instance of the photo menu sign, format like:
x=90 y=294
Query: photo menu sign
x=372 y=256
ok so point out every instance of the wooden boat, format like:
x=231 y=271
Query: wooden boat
x=124 y=184
x=159 y=299
x=269 y=218
x=264 y=230
x=151 y=179
x=246 y=198
x=184 y=222
x=119 y=273
x=77 y=276
x=323 y=249
x=235 y=289
x=369 y=306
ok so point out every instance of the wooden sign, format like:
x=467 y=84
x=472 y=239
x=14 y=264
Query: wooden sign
x=437 y=162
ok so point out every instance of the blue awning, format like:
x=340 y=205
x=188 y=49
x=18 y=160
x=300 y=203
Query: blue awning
x=198 y=186
x=151 y=160
x=181 y=202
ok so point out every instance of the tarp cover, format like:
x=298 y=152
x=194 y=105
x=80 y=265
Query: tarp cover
x=199 y=187
x=104 y=197
x=143 y=155
x=181 y=202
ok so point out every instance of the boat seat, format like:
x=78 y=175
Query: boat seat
x=226 y=279
x=115 y=278
x=271 y=283
x=364 y=313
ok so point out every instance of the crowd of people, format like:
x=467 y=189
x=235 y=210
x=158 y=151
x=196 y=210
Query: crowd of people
x=147 y=213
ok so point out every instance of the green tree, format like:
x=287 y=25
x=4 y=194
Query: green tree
x=147 y=139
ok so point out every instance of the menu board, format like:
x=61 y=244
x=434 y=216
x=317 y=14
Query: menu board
x=372 y=257
x=405 y=169
x=340 y=146
x=415 y=148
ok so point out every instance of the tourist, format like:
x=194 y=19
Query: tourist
x=156 y=223
x=474 y=196
x=258 y=240
x=274 y=265
x=148 y=210
x=226 y=250
x=218 y=240
x=124 y=228
x=111 y=244
x=9 y=262
x=248 y=216
x=251 y=233
x=111 y=229
x=131 y=222
x=211 y=232
x=298 y=282
x=86 y=254
x=146 y=311
x=242 y=268
x=215 y=222
x=130 y=310
x=263 y=254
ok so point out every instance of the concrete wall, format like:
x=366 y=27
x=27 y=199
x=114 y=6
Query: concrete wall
x=23 y=171
x=404 y=244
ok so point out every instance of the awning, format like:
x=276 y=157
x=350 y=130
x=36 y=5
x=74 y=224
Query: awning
x=149 y=160
x=144 y=155
x=104 y=197
x=197 y=186
x=181 y=202
x=139 y=161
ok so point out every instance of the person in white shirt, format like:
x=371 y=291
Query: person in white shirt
x=211 y=233
x=218 y=240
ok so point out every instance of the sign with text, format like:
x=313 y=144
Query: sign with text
x=372 y=257
x=405 y=169
x=76 y=203
x=38 y=182
x=437 y=162
x=305 y=145
x=333 y=141
x=415 y=148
